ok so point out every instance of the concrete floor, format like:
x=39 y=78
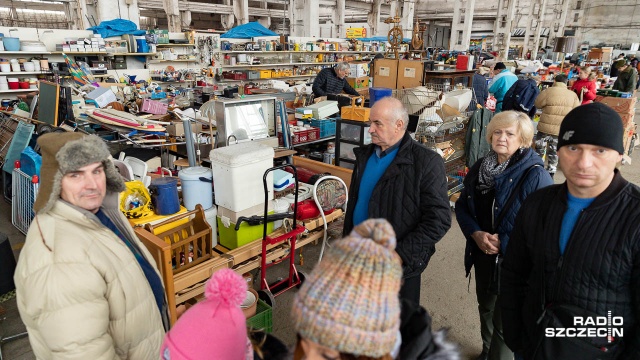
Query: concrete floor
x=446 y=293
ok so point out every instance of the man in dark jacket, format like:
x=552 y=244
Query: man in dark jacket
x=575 y=250
x=627 y=78
x=333 y=81
x=521 y=96
x=398 y=179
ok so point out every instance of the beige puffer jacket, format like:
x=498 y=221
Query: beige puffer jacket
x=555 y=102
x=81 y=293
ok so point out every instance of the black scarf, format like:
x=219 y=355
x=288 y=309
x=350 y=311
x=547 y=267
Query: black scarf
x=490 y=168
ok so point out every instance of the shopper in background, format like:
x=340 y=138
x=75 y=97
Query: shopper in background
x=214 y=328
x=585 y=86
x=333 y=81
x=573 y=70
x=627 y=78
x=480 y=87
x=494 y=189
x=86 y=286
x=397 y=179
x=502 y=81
x=615 y=64
x=575 y=250
x=555 y=102
x=348 y=307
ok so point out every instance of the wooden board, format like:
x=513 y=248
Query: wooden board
x=342 y=173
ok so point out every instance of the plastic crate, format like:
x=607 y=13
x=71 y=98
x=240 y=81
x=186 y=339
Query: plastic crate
x=300 y=136
x=234 y=75
x=252 y=75
x=327 y=127
x=263 y=319
x=265 y=74
x=154 y=107
x=313 y=134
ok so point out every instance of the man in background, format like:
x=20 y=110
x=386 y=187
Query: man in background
x=501 y=83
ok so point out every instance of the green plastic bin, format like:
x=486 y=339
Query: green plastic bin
x=263 y=319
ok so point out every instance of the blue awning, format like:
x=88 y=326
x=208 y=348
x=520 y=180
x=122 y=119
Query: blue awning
x=116 y=27
x=247 y=31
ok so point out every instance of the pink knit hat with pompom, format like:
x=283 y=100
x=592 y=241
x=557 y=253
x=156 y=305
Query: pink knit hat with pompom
x=214 y=328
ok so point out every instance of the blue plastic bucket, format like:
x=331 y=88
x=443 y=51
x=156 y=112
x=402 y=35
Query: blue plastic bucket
x=377 y=93
x=164 y=195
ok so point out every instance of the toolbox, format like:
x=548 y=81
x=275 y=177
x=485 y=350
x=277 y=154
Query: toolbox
x=355 y=112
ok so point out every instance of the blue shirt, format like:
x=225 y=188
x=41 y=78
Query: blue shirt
x=147 y=269
x=574 y=208
x=377 y=164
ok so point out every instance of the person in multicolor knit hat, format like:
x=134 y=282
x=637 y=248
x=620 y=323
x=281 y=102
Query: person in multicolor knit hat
x=349 y=305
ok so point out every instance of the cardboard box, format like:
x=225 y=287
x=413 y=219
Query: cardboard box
x=410 y=74
x=359 y=69
x=626 y=119
x=385 y=73
x=358 y=82
x=177 y=128
x=620 y=105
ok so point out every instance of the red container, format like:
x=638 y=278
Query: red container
x=314 y=134
x=14 y=85
x=308 y=209
x=23 y=84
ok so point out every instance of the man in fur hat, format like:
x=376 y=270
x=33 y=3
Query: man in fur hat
x=86 y=286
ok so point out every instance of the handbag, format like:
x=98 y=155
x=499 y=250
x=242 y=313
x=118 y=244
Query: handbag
x=494 y=283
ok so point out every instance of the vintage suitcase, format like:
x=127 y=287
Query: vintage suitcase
x=355 y=112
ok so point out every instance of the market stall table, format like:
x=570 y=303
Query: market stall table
x=452 y=75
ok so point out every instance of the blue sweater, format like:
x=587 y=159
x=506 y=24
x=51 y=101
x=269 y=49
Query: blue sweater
x=373 y=171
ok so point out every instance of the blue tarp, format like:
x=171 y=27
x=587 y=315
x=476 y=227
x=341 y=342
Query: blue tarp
x=247 y=31
x=381 y=38
x=116 y=27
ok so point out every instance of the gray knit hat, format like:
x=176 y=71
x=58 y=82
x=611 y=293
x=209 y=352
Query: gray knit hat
x=65 y=152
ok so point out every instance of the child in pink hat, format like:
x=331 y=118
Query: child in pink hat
x=214 y=328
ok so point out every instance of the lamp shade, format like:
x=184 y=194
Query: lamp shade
x=565 y=44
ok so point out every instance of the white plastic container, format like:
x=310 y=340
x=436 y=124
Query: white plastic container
x=210 y=216
x=196 y=187
x=5 y=68
x=238 y=172
x=28 y=66
x=280 y=206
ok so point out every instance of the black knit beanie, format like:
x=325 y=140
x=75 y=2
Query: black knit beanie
x=592 y=124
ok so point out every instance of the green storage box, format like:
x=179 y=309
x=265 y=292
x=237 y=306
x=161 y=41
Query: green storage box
x=263 y=319
x=232 y=239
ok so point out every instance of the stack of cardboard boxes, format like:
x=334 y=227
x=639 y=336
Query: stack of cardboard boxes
x=626 y=108
x=93 y=44
x=397 y=74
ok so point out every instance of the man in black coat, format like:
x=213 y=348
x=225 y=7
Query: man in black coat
x=573 y=261
x=398 y=179
x=333 y=81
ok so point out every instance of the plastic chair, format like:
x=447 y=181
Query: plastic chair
x=139 y=169
x=329 y=192
x=124 y=169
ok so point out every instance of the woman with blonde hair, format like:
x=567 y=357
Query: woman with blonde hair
x=585 y=86
x=494 y=189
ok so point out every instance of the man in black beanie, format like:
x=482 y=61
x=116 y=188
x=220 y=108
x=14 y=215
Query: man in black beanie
x=571 y=277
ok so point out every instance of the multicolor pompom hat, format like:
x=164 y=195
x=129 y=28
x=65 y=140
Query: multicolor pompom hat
x=350 y=301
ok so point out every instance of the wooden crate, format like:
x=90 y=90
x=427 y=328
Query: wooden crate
x=190 y=242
